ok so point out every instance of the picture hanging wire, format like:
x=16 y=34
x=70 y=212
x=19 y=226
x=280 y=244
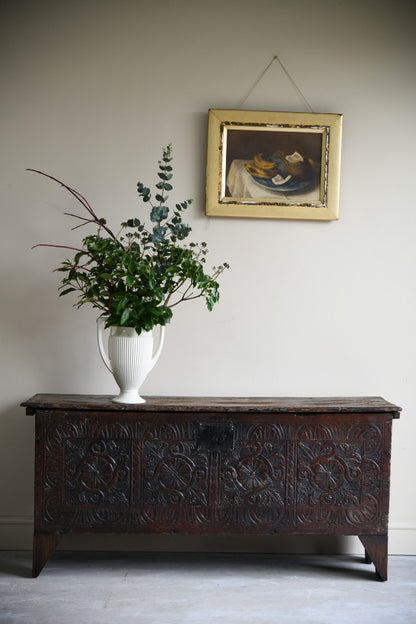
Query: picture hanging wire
x=256 y=82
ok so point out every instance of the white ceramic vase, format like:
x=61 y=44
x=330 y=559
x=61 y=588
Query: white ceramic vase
x=130 y=358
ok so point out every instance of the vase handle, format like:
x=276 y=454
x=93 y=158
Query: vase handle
x=160 y=344
x=104 y=356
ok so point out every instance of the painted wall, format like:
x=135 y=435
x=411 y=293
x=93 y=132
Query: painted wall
x=92 y=90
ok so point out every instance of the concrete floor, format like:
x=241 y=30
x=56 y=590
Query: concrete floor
x=134 y=588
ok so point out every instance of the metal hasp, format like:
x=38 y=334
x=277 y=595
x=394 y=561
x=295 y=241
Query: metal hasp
x=215 y=437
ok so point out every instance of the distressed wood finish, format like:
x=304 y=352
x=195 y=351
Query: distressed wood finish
x=212 y=466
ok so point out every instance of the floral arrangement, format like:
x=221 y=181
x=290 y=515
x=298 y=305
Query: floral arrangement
x=136 y=277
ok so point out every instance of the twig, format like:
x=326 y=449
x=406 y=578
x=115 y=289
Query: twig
x=82 y=200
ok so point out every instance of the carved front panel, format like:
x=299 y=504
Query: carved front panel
x=96 y=472
x=340 y=475
x=137 y=473
x=85 y=471
x=174 y=473
x=123 y=474
x=253 y=477
x=254 y=473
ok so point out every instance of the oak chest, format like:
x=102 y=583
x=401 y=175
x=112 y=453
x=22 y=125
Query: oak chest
x=212 y=465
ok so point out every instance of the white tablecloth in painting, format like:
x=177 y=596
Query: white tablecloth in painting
x=241 y=184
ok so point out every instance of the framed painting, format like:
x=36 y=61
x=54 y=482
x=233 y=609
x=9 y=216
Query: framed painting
x=273 y=165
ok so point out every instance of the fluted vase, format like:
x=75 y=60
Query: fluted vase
x=131 y=357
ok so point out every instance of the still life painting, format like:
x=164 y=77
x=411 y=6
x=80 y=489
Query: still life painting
x=273 y=164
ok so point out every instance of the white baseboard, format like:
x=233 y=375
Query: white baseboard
x=16 y=534
x=402 y=538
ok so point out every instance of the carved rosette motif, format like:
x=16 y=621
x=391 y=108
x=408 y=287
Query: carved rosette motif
x=338 y=474
x=139 y=473
x=255 y=477
x=174 y=473
x=97 y=472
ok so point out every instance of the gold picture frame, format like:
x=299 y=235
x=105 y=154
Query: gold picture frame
x=273 y=165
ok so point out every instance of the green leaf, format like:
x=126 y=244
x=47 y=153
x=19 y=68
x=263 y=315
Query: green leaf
x=125 y=316
x=164 y=186
x=164 y=176
x=159 y=233
x=159 y=213
x=68 y=290
x=178 y=229
x=133 y=223
x=78 y=257
x=143 y=190
x=161 y=198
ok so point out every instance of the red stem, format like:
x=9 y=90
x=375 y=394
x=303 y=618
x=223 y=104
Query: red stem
x=59 y=246
x=83 y=201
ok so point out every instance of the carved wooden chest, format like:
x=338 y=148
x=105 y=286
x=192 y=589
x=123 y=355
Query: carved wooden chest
x=212 y=465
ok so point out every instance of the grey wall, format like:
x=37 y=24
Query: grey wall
x=92 y=90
